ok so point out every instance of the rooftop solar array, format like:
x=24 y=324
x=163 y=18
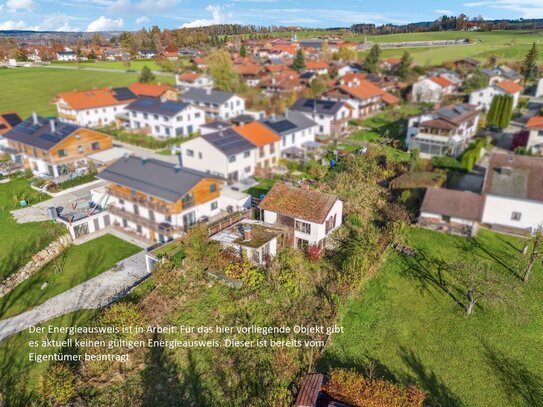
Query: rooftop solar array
x=12 y=119
x=229 y=141
x=124 y=94
x=156 y=106
x=281 y=126
x=317 y=106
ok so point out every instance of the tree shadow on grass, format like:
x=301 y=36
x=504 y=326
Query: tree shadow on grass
x=361 y=363
x=522 y=386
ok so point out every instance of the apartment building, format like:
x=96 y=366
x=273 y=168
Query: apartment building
x=332 y=117
x=215 y=103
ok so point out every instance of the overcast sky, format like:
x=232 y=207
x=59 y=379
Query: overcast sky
x=105 y=15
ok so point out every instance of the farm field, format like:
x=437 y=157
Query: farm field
x=135 y=65
x=25 y=90
x=416 y=332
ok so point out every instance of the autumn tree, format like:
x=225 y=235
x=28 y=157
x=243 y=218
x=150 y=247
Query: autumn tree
x=299 y=61
x=405 y=67
x=222 y=71
x=345 y=54
x=146 y=75
x=536 y=252
x=529 y=66
x=372 y=60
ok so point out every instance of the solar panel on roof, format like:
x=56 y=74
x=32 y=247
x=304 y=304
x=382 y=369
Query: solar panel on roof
x=146 y=102
x=282 y=126
x=3 y=126
x=12 y=119
x=50 y=137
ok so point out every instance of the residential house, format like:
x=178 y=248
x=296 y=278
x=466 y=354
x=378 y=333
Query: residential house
x=297 y=132
x=66 y=56
x=194 y=80
x=444 y=132
x=432 y=90
x=146 y=54
x=214 y=126
x=513 y=192
x=502 y=73
x=318 y=67
x=466 y=64
x=348 y=69
x=482 y=98
x=535 y=138
x=390 y=64
x=94 y=107
x=286 y=82
x=156 y=199
x=307 y=216
x=51 y=148
x=164 y=118
x=215 y=103
x=7 y=122
x=267 y=142
x=116 y=55
x=162 y=91
x=331 y=116
x=200 y=63
x=225 y=153
x=249 y=71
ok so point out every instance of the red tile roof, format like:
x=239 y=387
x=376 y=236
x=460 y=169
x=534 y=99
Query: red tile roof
x=247 y=68
x=535 y=122
x=510 y=87
x=148 y=89
x=316 y=65
x=390 y=99
x=258 y=134
x=364 y=90
x=189 y=76
x=88 y=99
x=443 y=82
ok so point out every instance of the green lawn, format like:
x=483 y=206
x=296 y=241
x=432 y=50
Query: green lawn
x=418 y=334
x=18 y=242
x=76 y=265
x=262 y=188
x=135 y=65
x=25 y=90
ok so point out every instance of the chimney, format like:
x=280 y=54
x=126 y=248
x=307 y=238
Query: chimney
x=273 y=117
x=180 y=159
x=220 y=130
x=125 y=156
x=52 y=124
x=34 y=118
x=208 y=91
x=247 y=232
x=177 y=168
x=286 y=113
x=144 y=160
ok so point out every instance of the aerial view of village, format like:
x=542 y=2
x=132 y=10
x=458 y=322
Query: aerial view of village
x=271 y=203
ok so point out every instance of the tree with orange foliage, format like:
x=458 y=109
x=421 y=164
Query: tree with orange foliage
x=353 y=388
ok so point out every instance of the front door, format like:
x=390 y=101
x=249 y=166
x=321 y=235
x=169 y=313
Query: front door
x=189 y=219
x=96 y=224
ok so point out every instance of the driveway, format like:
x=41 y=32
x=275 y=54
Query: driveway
x=97 y=292
x=38 y=212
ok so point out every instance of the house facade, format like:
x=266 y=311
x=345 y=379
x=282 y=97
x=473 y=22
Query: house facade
x=216 y=104
x=194 y=80
x=307 y=217
x=432 y=90
x=51 y=148
x=295 y=129
x=7 y=122
x=535 y=138
x=268 y=145
x=332 y=117
x=483 y=98
x=164 y=119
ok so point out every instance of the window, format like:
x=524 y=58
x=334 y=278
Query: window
x=167 y=130
x=155 y=116
x=138 y=229
x=190 y=153
x=134 y=114
x=165 y=118
x=136 y=209
x=187 y=200
x=247 y=169
x=95 y=145
x=200 y=156
x=168 y=218
x=80 y=149
x=303 y=227
x=302 y=244
x=232 y=159
x=261 y=152
x=145 y=116
x=157 y=129
x=212 y=187
x=247 y=154
x=78 y=136
x=121 y=202
x=62 y=153
x=179 y=118
x=197 y=115
x=516 y=216
x=214 y=205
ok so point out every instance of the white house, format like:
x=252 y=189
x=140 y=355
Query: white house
x=146 y=54
x=331 y=116
x=482 y=98
x=535 y=138
x=268 y=143
x=225 y=153
x=217 y=104
x=165 y=118
x=432 y=90
x=296 y=131
x=445 y=132
x=93 y=107
x=194 y=80
x=66 y=56
x=307 y=216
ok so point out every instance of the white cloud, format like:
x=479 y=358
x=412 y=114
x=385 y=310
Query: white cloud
x=525 y=8
x=1 y=8
x=15 y=25
x=444 y=11
x=16 y=5
x=59 y=22
x=127 y=6
x=105 y=24
x=217 y=17
x=142 y=20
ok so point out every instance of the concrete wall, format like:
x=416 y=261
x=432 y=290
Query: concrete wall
x=498 y=211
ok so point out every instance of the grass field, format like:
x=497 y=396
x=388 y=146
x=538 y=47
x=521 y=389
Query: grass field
x=418 y=334
x=76 y=265
x=136 y=64
x=18 y=242
x=25 y=90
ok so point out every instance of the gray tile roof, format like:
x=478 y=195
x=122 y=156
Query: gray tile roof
x=289 y=123
x=212 y=96
x=153 y=177
x=228 y=141
x=39 y=133
x=156 y=106
x=317 y=106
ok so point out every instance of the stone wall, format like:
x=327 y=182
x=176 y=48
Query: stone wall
x=39 y=260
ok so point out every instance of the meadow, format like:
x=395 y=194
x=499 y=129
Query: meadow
x=416 y=333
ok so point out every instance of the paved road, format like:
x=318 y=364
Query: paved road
x=97 y=292
x=38 y=212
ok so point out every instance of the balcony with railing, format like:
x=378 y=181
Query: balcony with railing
x=154 y=205
x=164 y=228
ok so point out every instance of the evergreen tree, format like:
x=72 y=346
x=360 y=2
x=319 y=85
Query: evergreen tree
x=242 y=51
x=529 y=66
x=507 y=111
x=92 y=55
x=405 y=69
x=492 y=112
x=372 y=60
x=299 y=61
x=146 y=76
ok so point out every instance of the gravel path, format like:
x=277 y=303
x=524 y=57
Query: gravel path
x=97 y=292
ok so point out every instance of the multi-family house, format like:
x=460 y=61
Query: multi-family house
x=225 y=153
x=444 y=132
x=162 y=91
x=7 y=122
x=215 y=103
x=94 y=107
x=66 y=56
x=432 y=90
x=156 y=199
x=296 y=131
x=51 y=148
x=332 y=116
x=249 y=71
x=164 y=118
x=502 y=73
x=482 y=98
x=146 y=54
x=318 y=67
x=307 y=216
x=286 y=82
x=535 y=136
x=188 y=80
x=268 y=145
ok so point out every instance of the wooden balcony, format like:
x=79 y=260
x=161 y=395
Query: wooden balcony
x=160 y=207
x=163 y=228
